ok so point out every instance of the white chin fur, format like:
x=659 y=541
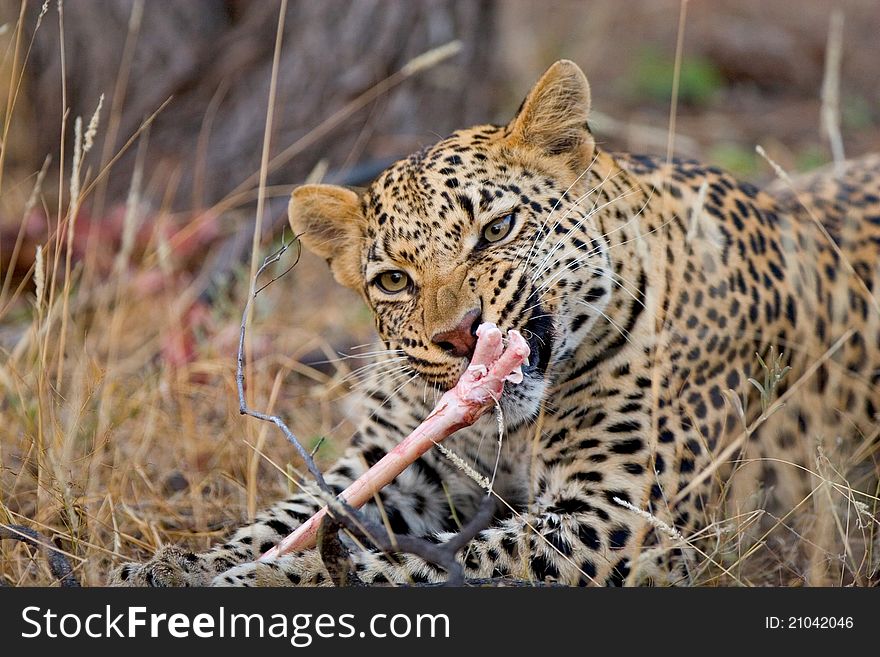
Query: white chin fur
x=521 y=402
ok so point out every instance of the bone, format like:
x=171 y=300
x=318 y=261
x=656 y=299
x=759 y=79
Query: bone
x=478 y=390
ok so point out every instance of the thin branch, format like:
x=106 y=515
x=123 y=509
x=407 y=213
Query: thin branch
x=58 y=563
x=676 y=78
x=831 y=89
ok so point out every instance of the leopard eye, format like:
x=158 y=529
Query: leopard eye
x=497 y=230
x=392 y=282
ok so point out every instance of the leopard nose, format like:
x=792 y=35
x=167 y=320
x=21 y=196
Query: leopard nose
x=461 y=340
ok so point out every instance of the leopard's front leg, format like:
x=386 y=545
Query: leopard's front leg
x=575 y=531
x=173 y=566
x=572 y=536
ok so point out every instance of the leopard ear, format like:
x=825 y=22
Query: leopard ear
x=553 y=117
x=330 y=223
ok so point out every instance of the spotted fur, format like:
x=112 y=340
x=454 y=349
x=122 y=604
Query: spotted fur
x=648 y=291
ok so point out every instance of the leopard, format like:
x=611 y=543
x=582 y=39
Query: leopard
x=704 y=367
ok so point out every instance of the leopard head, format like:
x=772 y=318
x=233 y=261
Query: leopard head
x=492 y=224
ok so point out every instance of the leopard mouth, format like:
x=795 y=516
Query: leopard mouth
x=539 y=334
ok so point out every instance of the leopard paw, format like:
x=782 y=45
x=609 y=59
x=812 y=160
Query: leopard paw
x=170 y=566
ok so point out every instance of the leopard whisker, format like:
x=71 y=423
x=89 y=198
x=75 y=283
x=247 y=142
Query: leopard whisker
x=394 y=392
x=371 y=368
x=549 y=229
x=575 y=205
x=380 y=377
x=623 y=332
x=542 y=265
x=558 y=201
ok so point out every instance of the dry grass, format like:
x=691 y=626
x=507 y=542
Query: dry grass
x=124 y=452
x=110 y=443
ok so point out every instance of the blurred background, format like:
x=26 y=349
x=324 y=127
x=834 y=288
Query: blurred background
x=127 y=244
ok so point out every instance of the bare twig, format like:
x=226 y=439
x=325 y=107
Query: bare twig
x=442 y=554
x=58 y=563
x=239 y=374
x=676 y=77
x=439 y=554
x=831 y=89
x=334 y=554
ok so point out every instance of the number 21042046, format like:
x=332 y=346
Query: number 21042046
x=808 y=622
